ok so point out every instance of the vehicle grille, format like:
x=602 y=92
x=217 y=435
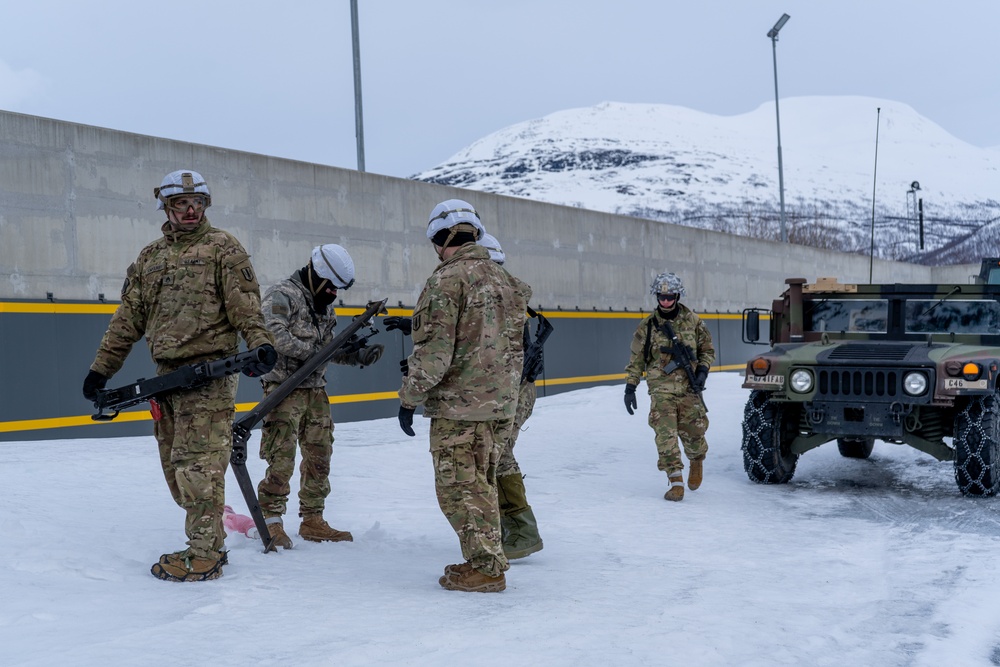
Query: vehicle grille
x=859 y=383
x=870 y=352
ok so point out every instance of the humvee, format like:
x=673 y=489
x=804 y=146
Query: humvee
x=904 y=364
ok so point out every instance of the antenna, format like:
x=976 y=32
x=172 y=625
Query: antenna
x=871 y=254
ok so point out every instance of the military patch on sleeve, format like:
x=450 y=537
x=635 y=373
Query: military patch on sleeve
x=129 y=273
x=245 y=275
x=416 y=322
x=280 y=305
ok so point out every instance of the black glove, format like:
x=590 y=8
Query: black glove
x=404 y=367
x=92 y=384
x=369 y=355
x=406 y=420
x=404 y=324
x=700 y=376
x=353 y=344
x=267 y=357
x=630 y=403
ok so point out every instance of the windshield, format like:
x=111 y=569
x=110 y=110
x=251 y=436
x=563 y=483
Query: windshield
x=868 y=316
x=972 y=317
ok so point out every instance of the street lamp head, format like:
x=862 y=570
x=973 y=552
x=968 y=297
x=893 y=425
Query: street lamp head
x=773 y=33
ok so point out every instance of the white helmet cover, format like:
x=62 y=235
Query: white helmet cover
x=490 y=242
x=182 y=182
x=332 y=262
x=667 y=283
x=453 y=212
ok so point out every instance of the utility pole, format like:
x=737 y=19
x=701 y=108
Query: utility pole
x=773 y=34
x=359 y=126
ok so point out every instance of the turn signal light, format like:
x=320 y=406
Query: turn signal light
x=971 y=371
x=760 y=366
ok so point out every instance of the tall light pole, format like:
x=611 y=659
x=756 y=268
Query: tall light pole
x=359 y=126
x=773 y=34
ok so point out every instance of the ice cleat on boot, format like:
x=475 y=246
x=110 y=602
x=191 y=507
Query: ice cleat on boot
x=697 y=470
x=315 y=529
x=676 y=490
x=520 y=535
x=467 y=579
x=183 y=566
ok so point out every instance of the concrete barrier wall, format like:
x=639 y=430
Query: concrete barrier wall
x=76 y=207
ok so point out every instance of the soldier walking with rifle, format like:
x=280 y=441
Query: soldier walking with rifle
x=673 y=348
x=191 y=293
x=299 y=313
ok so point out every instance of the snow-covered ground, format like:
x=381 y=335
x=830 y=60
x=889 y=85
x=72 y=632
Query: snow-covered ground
x=855 y=562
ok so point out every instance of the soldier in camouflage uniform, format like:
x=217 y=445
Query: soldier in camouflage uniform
x=675 y=408
x=517 y=520
x=299 y=313
x=464 y=370
x=190 y=293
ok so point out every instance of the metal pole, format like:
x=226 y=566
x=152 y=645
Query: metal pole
x=359 y=126
x=777 y=116
x=871 y=255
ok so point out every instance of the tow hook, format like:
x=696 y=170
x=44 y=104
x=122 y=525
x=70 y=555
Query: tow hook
x=814 y=414
x=898 y=411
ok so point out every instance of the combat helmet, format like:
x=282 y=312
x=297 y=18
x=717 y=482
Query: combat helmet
x=490 y=242
x=451 y=214
x=332 y=262
x=667 y=283
x=182 y=182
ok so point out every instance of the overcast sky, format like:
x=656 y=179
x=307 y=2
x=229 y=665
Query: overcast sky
x=277 y=78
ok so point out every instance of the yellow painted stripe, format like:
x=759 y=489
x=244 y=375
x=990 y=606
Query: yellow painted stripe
x=51 y=308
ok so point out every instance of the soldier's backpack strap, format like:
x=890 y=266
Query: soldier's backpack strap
x=646 y=357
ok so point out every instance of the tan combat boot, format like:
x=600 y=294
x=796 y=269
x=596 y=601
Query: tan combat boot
x=279 y=538
x=467 y=579
x=676 y=490
x=694 y=478
x=182 y=566
x=315 y=529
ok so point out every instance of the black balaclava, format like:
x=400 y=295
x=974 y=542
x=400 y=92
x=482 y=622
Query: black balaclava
x=317 y=285
x=671 y=313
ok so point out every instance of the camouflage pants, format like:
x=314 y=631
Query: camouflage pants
x=195 y=438
x=671 y=416
x=303 y=417
x=525 y=405
x=465 y=455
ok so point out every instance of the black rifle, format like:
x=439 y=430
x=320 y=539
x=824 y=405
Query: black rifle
x=533 y=360
x=185 y=377
x=683 y=357
x=242 y=426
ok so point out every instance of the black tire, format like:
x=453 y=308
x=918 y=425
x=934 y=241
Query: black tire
x=977 y=446
x=768 y=429
x=856 y=448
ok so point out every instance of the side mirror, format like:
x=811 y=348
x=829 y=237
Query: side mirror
x=751 y=325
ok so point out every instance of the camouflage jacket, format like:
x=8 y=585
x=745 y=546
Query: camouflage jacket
x=190 y=293
x=517 y=326
x=692 y=332
x=299 y=331
x=466 y=364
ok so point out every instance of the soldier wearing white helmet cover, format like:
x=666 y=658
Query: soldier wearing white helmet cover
x=676 y=409
x=517 y=520
x=300 y=315
x=191 y=293
x=464 y=370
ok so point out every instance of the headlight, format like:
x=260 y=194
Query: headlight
x=801 y=380
x=915 y=383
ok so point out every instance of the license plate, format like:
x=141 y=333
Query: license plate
x=766 y=379
x=959 y=383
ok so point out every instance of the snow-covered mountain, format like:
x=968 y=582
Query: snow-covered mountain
x=691 y=168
